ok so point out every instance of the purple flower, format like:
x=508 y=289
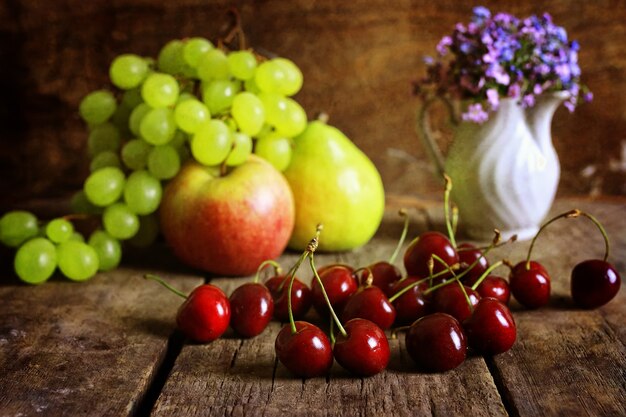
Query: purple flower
x=475 y=113
x=444 y=43
x=493 y=98
x=498 y=74
x=528 y=100
x=514 y=91
x=587 y=97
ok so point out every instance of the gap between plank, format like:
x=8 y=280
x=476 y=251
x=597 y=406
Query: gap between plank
x=498 y=381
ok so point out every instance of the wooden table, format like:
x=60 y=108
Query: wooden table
x=108 y=346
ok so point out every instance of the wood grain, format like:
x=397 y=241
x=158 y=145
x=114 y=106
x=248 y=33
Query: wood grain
x=84 y=349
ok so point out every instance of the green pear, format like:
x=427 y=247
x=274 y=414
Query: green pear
x=334 y=183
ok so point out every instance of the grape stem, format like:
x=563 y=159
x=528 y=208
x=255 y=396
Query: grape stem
x=165 y=284
x=405 y=229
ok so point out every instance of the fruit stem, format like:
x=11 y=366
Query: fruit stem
x=331 y=332
x=486 y=273
x=405 y=229
x=416 y=283
x=469 y=302
x=455 y=218
x=330 y=307
x=446 y=208
x=595 y=221
x=567 y=214
x=165 y=284
x=276 y=265
x=394 y=332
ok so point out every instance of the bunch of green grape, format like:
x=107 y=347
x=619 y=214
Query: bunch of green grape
x=195 y=101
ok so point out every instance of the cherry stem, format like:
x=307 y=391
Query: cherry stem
x=394 y=332
x=165 y=284
x=370 y=276
x=469 y=302
x=416 y=283
x=455 y=218
x=405 y=229
x=331 y=332
x=330 y=307
x=567 y=214
x=264 y=264
x=486 y=273
x=492 y=246
x=446 y=209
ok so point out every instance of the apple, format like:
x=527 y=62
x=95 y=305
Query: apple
x=228 y=224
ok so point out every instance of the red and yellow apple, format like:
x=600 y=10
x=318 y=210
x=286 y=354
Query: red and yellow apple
x=228 y=224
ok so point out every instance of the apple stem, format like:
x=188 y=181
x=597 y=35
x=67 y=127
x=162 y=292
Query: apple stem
x=446 y=208
x=330 y=307
x=323 y=117
x=567 y=214
x=486 y=273
x=165 y=284
x=405 y=229
x=264 y=264
x=416 y=283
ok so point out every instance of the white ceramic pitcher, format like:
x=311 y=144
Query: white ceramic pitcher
x=504 y=172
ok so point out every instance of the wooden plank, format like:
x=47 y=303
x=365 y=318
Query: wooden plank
x=85 y=348
x=234 y=377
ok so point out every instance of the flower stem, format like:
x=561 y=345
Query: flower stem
x=165 y=284
x=405 y=229
x=330 y=307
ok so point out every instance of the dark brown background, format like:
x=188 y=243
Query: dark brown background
x=358 y=58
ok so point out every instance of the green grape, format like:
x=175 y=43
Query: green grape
x=194 y=49
x=105 y=159
x=247 y=110
x=242 y=64
x=120 y=222
x=77 y=260
x=292 y=82
x=35 y=261
x=212 y=143
x=59 y=230
x=16 y=227
x=184 y=96
x=103 y=137
x=148 y=231
x=104 y=186
x=81 y=204
x=190 y=115
x=269 y=76
x=164 y=162
x=241 y=150
x=135 y=154
x=250 y=86
x=136 y=116
x=142 y=192
x=158 y=126
x=218 y=95
x=285 y=114
x=160 y=90
x=275 y=149
x=132 y=98
x=213 y=65
x=77 y=237
x=180 y=139
x=231 y=123
x=171 y=59
x=97 y=107
x=107 y=248
x=128 y=71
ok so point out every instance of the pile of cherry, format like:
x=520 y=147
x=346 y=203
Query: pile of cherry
x=448 y=302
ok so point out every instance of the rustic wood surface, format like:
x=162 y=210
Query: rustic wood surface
x=358 y=57
x=107 y=347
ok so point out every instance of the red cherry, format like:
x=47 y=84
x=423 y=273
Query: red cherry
x=307 y=353
x=321 y=269
x=451 y=300
x=252 y=307
x=420 y=251
x=530 y=287
x=385 y=275
x=490 y=329
x=372 y=304
x=594 y=283
x=413 y=304
x=339 y=283
x=300 y=298
x=437 y=342
x=205 y=314
x=495 y=287
x=467 y=257
x=365 y=350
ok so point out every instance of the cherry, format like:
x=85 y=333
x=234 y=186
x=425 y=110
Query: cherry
x=422 y=249
x=252 y=307
x=413 y=304
x=307 y=352
x=204 y=315
x=490 y=329
x=372 y=304
x=364 y=350
x=451 y=300
x=530 y=285
x=301 y=297
x=339 y=283
x=594 y=283
x=437 y=342
x=495 y=287
x=468 y=254
x=385 y=275
x=321 y=269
